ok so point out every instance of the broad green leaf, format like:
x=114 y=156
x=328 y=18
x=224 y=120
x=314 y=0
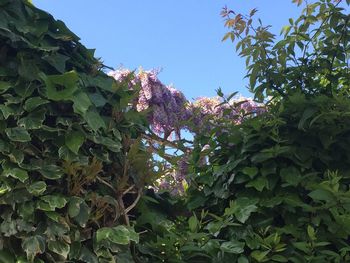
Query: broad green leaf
x=87 y=256
x=8 y=111
x=321 y=195
x=233 y=247
x=6 y=257
x=37 y=188
x=112 y=144
x=34 y=102
x=61 y=87
x=291 y=175
x=74 y=206
x=57 y=60
x=242 y=259
x=33 y=121
x=4 y=86
x=94 y=120
x=55 y=201
x=81 y=103
x=259 y=256
x=79 y=211
x=59 y=247
x=250 y=171
x=259 y=183
x=18 y=134
x=118 y=235
x=51 y=171
x=74 y=140
x=33 y=245
x=193 y=223
x=16 y=173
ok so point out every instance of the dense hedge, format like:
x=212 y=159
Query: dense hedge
x=276 y=187
x=71 y=160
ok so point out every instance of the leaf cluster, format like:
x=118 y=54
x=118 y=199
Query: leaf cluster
x=72 y=165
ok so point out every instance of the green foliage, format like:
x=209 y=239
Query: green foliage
x=72 y=165
x=276 y=187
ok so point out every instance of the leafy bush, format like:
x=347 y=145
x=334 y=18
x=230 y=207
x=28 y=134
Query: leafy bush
x=276 y=187
x=72 y=164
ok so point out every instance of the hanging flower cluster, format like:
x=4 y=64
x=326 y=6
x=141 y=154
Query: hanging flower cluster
x=169 y=112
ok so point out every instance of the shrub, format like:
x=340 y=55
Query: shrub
x=72 y=164
x=276 y=187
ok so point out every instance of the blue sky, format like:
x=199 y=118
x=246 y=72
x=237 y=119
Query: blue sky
x=182 y=37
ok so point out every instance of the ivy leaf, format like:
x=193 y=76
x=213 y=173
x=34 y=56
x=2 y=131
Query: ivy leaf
x=55 y=201
x=4 y=86
x=33 y=103
x=33 y=246
x=51 y=171
x=87 y=256
x=16 y=173
x=118 y=235
x=37 y=188
x=59 y=247
x=18 y=134
x=34 y=120
x=94 y=120
x=79 y=210
x=61 y=87
x=81 y=103
x=74 y=140
x=58 y=61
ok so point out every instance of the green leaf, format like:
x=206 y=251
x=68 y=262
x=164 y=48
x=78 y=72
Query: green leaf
x=33 y=246
x=81 y=103
x=61 y=87
x=34 y=102
x=51 y=171
x=74 y=206
x=82 y=215
x=74 y=140
x=18 y=134
x=16 y=173
x=259 y=256
x=87 y=256
x=259 y=183
x=242 y=259
x=6 y=257
x=37 y=188
x=113 y=145
x=233 y=247
x=291 y=175
x=7 y=111
x=279 y=258
x=33 y=121
x=242 y=208
x=250 y=171
x=94 y=120
x=58 y=61
x=193 y=223
x=118 y=235
x=4 y=86
x=54 y=201
x=321 y=195
x=59 y=247
x=311 y=232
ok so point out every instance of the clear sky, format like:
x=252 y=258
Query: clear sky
x=182 y=37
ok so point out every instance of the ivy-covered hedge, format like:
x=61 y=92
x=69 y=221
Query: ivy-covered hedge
x=72 y=164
